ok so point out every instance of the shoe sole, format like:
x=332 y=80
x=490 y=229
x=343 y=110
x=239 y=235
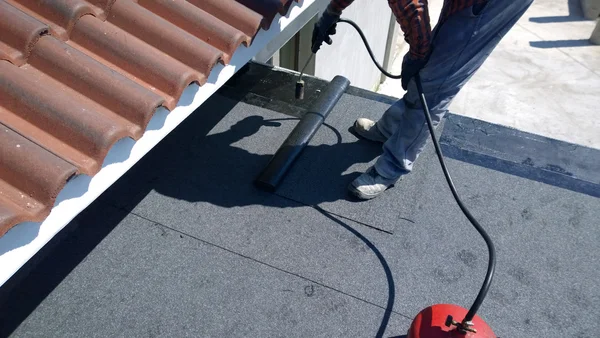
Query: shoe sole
x=357 y=193
x=363 y=196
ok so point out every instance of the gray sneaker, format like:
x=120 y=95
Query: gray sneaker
x=370 y=185
x=368 y=130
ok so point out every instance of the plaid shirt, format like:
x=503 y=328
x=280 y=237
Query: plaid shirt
x=413 y=17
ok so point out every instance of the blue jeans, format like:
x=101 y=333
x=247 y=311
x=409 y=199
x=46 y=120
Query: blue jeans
x=459 y=47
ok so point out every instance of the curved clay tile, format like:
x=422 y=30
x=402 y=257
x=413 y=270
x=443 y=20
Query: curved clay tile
x=135 y=59
x=232 y=13
x=10 y=213
x=68 y=96
x=103 y=7
x=29 y=199
x=268 y=8
x=96 y=81
x=63 y=121
x=165 y=36
x=19 y=33
x=60 y=15
x=200 y=24
x=285 y=6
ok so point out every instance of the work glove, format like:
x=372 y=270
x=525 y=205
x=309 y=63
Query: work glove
x=411 y=66
x=323 y=30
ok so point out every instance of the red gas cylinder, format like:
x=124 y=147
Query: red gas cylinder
x=431 y=323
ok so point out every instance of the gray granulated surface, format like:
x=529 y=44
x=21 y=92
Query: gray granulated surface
x=204 y=253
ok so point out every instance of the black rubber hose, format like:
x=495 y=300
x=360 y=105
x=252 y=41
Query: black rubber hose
x=362 y=36
x=488 y=241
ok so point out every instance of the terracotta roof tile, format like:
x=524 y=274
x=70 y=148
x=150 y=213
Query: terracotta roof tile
x=268 y=8
x=76 y=76
x=31 y=179
x=202 y=25
x=60 y=15
x=20 y=32
x=245 y=21
x=96 y=81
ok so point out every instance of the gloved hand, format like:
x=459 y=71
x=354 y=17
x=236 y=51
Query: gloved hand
x=411 y=67
x=323 y=29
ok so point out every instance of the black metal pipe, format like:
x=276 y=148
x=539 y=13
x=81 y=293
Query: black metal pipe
x=272 y=175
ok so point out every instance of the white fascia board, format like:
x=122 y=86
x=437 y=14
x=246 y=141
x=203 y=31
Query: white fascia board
x=24 y=240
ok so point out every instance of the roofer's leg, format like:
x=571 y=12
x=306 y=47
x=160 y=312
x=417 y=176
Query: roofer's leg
x=459 y=48
x=381 y=130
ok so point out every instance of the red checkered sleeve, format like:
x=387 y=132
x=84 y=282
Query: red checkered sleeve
x=413 y=17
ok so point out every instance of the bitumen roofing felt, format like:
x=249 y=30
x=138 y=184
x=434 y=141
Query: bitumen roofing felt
x=76 y=76
x=185 y=245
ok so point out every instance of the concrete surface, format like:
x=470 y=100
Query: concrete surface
x=184 y=245
x=543 y=78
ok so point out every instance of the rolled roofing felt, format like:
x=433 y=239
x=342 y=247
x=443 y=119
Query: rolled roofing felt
x=272 y=175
